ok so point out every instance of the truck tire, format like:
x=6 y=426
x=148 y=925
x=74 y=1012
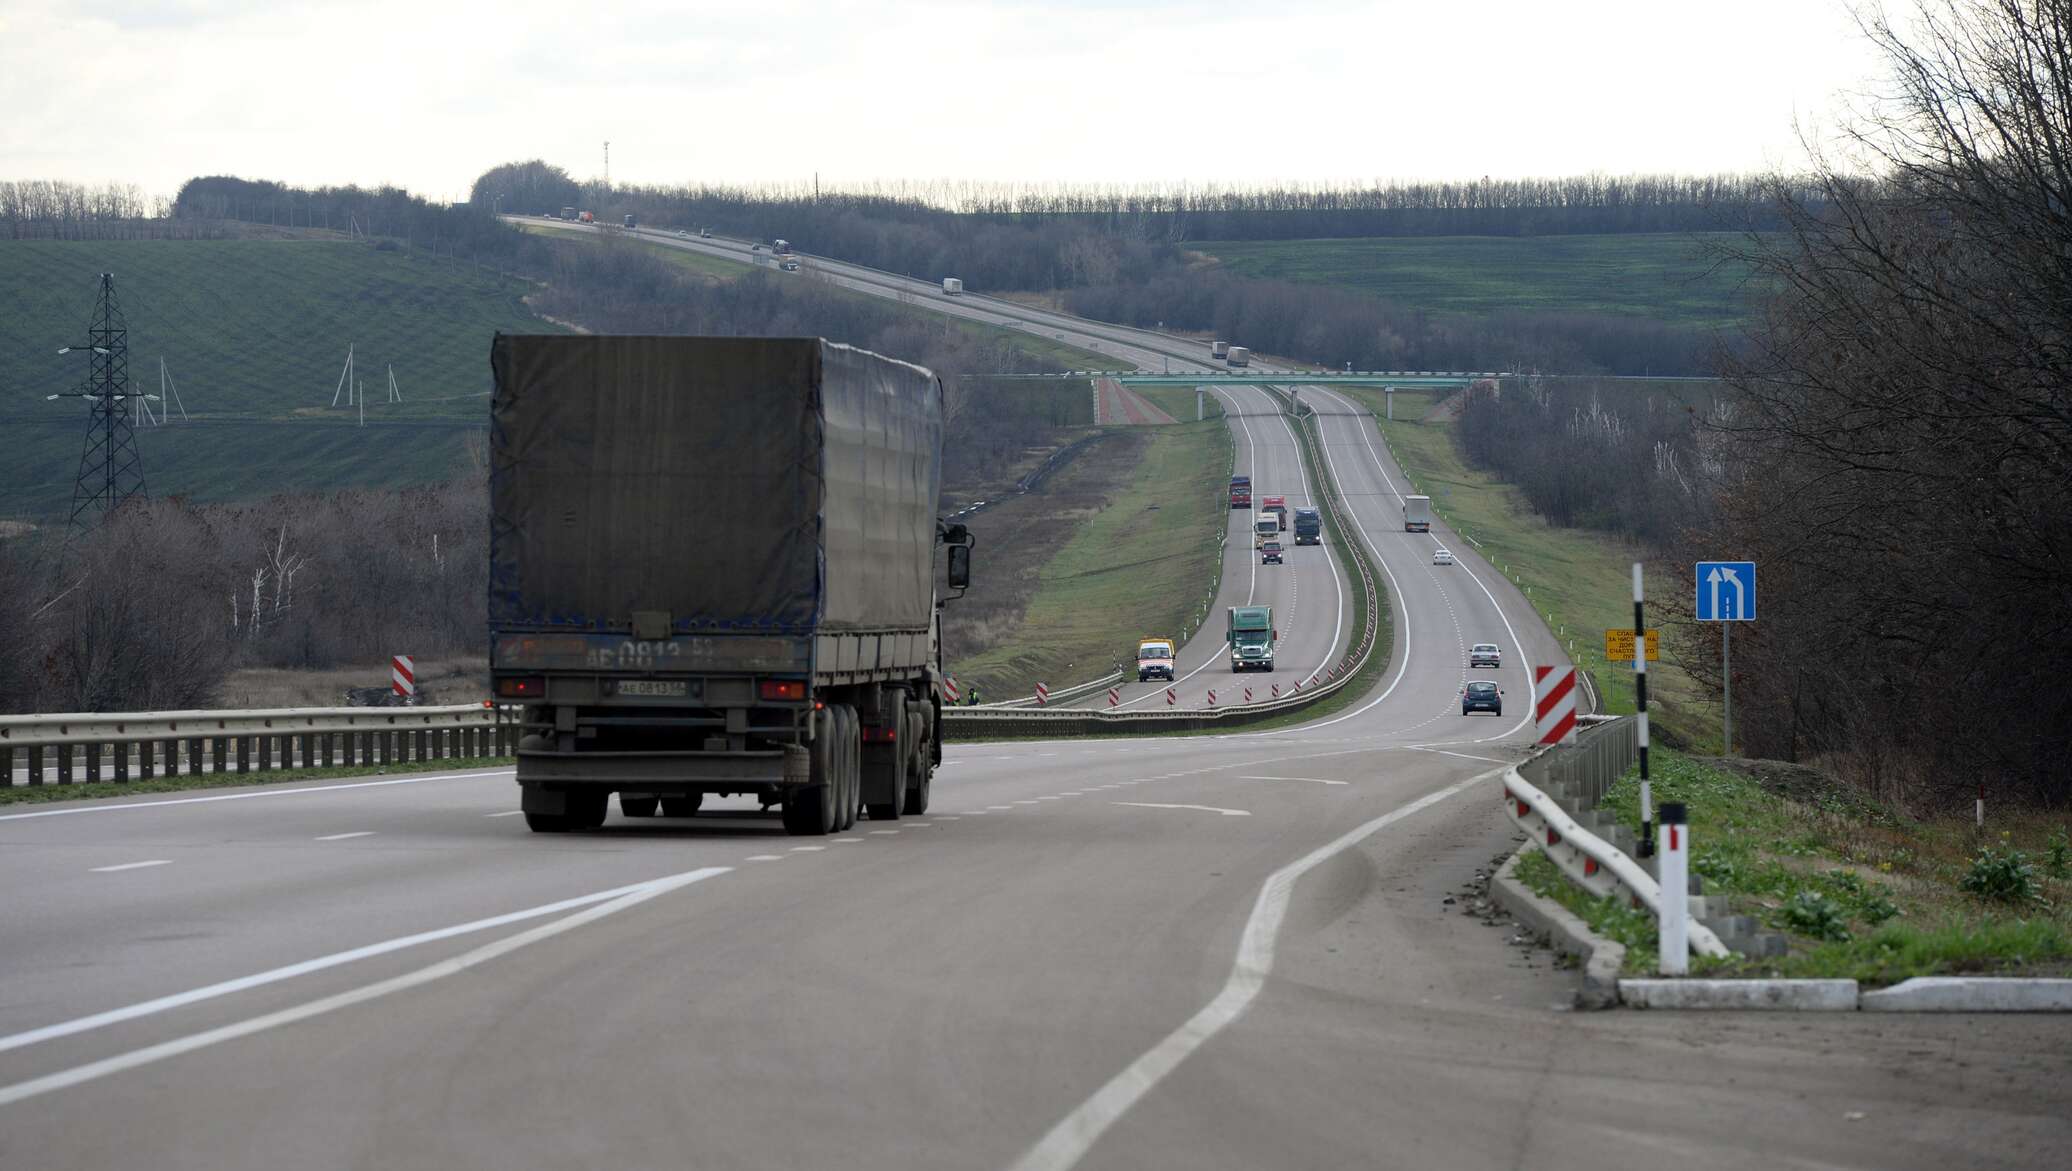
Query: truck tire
x=676 y=806
x=850 y=740
x=587 y=808
x=919 y=775
x=809 y=809
x=889 y=810
x=548 y=823
x=639 y=806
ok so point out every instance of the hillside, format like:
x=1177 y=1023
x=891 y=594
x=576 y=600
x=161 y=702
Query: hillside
x=1663 y=276
x=255 y=334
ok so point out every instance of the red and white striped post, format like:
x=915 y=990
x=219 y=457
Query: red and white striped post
x=1212 y=699
x=1248 y=695
x=1640 y=701
x=1114 y=696
x=1172 y=697
x=1042 y=695
x=402 y=676
x=1554 y=704
x=1277 y=690
x=1673 y=864
x=949 y=688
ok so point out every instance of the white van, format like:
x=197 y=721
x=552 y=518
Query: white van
x=1266 y=528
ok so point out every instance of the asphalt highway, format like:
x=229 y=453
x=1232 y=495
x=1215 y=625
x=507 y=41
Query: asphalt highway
x=1204 y=952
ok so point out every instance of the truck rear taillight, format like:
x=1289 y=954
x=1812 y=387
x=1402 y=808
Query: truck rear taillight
x=781 y=689
x=521 y=687
x=885 y=735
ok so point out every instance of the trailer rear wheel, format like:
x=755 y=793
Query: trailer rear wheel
x=548 y=823
x=919 y=776
x=896 y=786
x=809 y=809
x=587 y=808
x=842 y=780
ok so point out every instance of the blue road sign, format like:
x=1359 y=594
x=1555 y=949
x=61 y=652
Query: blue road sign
x=1726 y=591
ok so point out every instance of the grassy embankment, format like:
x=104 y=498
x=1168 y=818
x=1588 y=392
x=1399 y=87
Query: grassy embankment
x=255 y=334
x=1663 y=276
x=1860 y=891
x=1135 y=565
x=1580 y=581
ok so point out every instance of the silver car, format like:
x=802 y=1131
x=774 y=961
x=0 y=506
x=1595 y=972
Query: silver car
x=1485 y=654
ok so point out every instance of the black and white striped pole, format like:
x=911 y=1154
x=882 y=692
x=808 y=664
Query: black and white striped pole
x=1673 y=865
x=1640 y=696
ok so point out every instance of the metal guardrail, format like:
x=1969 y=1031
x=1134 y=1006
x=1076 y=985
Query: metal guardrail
x=1595 y=864
x=1061 y=695
x=1585 y=770
x=981 y=722
x=142 y=745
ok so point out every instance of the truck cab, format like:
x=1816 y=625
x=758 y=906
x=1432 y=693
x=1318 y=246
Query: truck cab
x=1155 y=660
x=1278 y=506
x=1241 y=491
x=1265 y=527
x=1252 y=637
x=1309 y=526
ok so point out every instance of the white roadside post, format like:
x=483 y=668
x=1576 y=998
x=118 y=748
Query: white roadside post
x=1640 y=700
x=1673 y=865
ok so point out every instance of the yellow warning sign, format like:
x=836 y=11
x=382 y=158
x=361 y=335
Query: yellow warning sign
x=1618 y=645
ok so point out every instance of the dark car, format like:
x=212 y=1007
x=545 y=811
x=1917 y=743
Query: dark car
x=1481 y=695
x=1270 y=553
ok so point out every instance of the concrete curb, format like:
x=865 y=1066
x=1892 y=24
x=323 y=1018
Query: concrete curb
x=1602 y=958
x=1782 y=995
x=1971 y=994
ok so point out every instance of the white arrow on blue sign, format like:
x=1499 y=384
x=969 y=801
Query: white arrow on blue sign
x=1726 y=591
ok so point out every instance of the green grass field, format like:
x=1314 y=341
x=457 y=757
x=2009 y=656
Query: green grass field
x=1580 y=581
x=1139 y=566
x=1665 y=276
x=255 y=335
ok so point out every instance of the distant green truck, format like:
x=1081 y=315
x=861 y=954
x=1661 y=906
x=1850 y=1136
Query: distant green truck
x=1309 y=526
x=1251 y=638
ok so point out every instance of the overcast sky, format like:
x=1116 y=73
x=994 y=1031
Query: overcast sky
x=428 y=94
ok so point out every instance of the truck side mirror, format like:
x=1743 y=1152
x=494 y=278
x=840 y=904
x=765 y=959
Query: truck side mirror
x=1277 y=636
x=960 y=567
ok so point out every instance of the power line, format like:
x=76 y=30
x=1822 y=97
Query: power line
x=111 y=470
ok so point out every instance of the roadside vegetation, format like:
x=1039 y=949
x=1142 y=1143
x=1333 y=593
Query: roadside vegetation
x=1859 y=889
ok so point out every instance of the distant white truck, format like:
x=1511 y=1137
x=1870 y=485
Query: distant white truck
x=951 y=286
x=1219 y=349
x=1239 y=356
x=1417 y=514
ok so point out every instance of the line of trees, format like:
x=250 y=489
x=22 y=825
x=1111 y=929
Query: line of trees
x=44 y=209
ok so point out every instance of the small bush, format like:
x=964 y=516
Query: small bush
x=1811 y=913
x=2057 y=856
x=2002 y=875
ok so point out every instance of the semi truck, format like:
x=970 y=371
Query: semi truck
x=1252 y=636
x=798 y=661
x=1309 y=527
x=1219 y=349
x=952 y=287
x=1417 y=514
x=1278 y=506
x=569 y=214
x=1240 y=492
x=1239 y=356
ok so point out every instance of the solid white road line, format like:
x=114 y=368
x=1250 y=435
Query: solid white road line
x=506 y=813
x=1311 y=780
x=131 y=866
x=93 y=1071
x=108 y=808
x=1075 y=1134
x=360 y=833
x=273 y=976
x=1462 y=755
x=1202 y=808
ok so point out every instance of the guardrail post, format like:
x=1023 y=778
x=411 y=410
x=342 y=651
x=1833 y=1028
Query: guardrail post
x=423 y=752
x=7 y=765
x=121 y=752
x=324 y=739
x=147 y=759
x=194 y=755
x=1672 y=864
x=244 y=753
x=35 y=764
x=93 y=761
x=266 y=753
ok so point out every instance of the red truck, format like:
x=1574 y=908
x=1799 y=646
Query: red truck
x=1278 y=506
x=1241 y=491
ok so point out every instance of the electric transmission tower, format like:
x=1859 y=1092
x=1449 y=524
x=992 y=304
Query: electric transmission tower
x=110 y=468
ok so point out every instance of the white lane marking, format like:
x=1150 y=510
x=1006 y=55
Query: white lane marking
x=1311 y=780
x=952 y=816
x=999 y=808
x=1073 y=793
x=883 y=832
x=92 y=1071
x=764 y=858
x=807 y=849
x=848 y=839
x=1023 y=803
x=1462 y=755
x=67 y=812
x=161 y=1004
x=131 y=866
x=1075 y=1134
x=1050 y=798
x=506 y=813
x=358 y=833
x=1202 y=808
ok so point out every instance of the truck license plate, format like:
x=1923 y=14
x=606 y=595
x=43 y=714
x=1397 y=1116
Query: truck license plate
x=668 y=688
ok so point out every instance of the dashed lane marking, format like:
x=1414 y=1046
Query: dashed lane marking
x=132 y=866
